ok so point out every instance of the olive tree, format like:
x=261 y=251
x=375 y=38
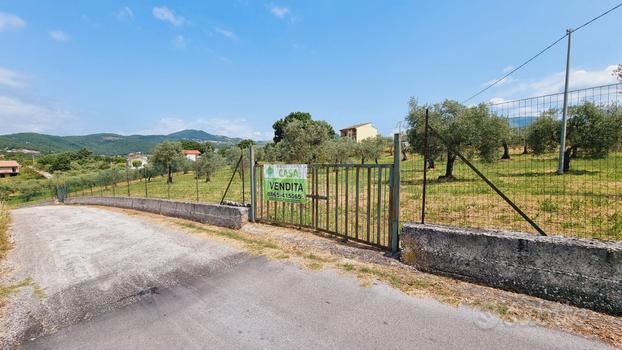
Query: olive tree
x=371 y=148
x=304 y=143
x=340 y=150
x=591 y=131
x=209 y=164
x=168 y=155
x=468 y=130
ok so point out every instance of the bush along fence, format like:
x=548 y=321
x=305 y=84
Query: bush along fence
x=500 y=165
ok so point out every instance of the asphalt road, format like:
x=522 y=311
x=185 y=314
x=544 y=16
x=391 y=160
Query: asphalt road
x=115 y=281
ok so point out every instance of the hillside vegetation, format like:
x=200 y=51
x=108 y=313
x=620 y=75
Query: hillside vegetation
x=105 y=144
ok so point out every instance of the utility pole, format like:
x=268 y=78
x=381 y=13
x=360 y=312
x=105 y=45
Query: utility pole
x=562 y=141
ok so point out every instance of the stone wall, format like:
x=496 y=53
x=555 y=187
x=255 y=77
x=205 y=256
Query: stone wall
x=582 y=272
x=214 y=214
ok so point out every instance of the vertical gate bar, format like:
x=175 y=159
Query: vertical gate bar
x=336 y=199
x=347 y=197
x=315 y=206
x=390 y=220
x=327 y=199
x=378 y=205
x=425 y=165
x=253 y=183
x=243 y=178
x=395 y=227
x=313 y=197
x=283 y=211
x=368 y=203
x=291 y=210
x=356 y=219
x=261 y=190
x=196 y=184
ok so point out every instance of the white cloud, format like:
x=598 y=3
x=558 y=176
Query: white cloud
x=165 y=14
x=12 y=78
x=497 y=100
x=10 y=21
x=280 y=12
x=507 y=69
x=125 y=14
x=59 y=36
x=235 y=127
x=224 y=32
x=19 y=116
x=179 y=42
x=554 y=83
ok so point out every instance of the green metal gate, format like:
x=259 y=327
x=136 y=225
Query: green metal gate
x=358 y=202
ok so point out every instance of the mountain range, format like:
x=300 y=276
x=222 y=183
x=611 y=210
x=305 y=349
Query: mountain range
x=106 y=143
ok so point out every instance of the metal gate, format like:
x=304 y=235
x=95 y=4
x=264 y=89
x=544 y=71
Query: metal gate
x=358 y=202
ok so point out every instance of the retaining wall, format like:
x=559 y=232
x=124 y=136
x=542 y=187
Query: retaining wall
x=582 y=272
x=219 y=215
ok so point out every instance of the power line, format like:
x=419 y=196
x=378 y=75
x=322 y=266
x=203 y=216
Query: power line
x=541 y=52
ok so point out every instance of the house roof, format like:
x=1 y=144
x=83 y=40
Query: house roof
x=355 y=126
x=191 y=151
x=8 y=163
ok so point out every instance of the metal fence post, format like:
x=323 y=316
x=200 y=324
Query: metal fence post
x=196 y=183
x=425 y=165
x=253 y=184
x=562 y=139
x=127 y=179
x=395 y=225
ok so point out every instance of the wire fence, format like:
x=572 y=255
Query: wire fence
x=586 y=201
x=188 y=186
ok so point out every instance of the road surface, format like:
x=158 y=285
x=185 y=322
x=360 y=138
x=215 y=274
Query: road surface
x=116 y=281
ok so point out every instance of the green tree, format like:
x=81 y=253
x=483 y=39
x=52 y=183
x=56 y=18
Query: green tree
x=340 y=150
x=304 y=143
x=468 y=130
x=246 y=143
x=83 y=154
x=305 y=118
x=279 y=125
x=618 y=72
x=209 y=164
x=591 y=131
x=136 y=163
x=371 y=148
x=202 y=147
x=543 y=133
x=169 y=156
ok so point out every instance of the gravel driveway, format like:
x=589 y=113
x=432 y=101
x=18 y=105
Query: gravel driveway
x=116 y=281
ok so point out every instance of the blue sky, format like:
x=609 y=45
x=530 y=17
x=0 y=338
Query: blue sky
x=234 y=67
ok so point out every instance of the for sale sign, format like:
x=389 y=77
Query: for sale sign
x=285 y=183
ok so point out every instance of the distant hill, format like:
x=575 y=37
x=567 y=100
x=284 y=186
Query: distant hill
x=521 y=122
x=108 y=144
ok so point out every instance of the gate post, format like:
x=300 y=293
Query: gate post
x=253 y=183
x=395 y=224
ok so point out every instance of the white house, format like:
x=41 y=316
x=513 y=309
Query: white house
x=359 y=132
x=192 y=154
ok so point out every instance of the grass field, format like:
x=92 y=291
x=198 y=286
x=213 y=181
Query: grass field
x=586 y=202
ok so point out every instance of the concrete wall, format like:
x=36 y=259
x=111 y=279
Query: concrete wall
x=582 y=272
x=220 y=215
